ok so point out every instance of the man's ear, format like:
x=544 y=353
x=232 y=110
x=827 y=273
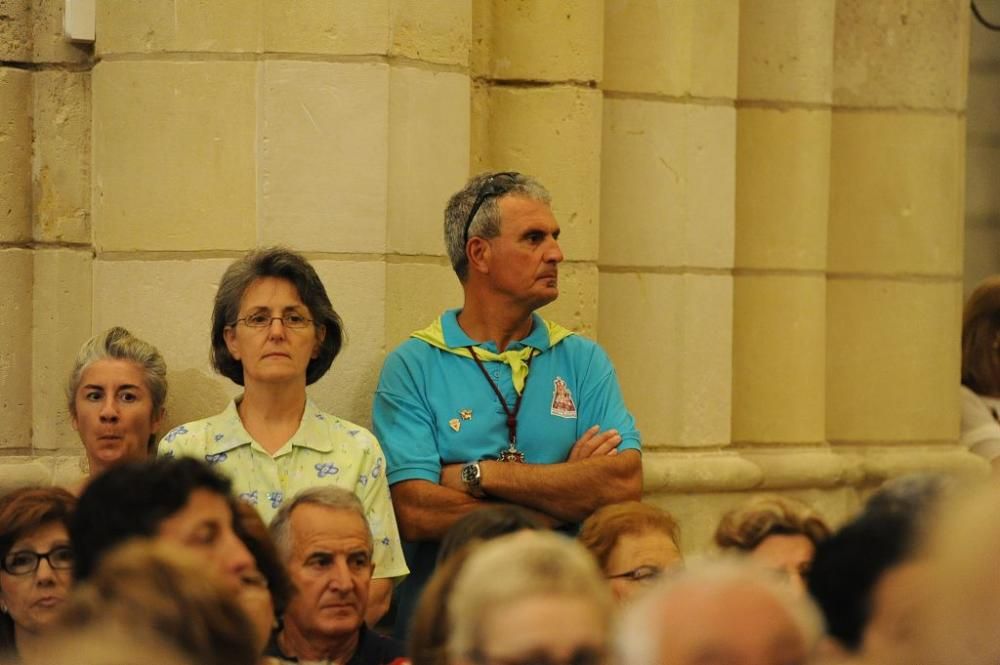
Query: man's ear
x=479 y=252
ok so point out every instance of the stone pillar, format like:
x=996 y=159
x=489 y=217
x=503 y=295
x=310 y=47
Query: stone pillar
x=537 y=110
x=335 y=128
x=666 y=254
x=895 y=234
x=782 y=200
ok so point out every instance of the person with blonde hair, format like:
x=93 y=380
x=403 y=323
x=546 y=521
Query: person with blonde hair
x=116 y=394
x=532 y=596
x=980 y=388
x=634 y=543
x=159 y=593
x=776 y=532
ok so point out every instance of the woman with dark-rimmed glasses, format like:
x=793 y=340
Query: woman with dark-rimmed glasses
x=275 y=331
x=36 y=564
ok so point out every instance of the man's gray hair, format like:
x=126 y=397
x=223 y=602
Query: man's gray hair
x=641 y=633
x=486 y=223
x=336 y=498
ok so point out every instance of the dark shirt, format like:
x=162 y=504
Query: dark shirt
x=373 y=649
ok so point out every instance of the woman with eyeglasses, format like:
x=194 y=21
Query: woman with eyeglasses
x=634 y=543
x=36 y=564
x=275 y=331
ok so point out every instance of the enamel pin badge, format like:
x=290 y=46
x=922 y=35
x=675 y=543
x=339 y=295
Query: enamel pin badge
x=455 y=424
x=466 y=414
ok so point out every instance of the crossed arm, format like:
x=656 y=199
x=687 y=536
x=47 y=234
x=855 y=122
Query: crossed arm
x=593 y=475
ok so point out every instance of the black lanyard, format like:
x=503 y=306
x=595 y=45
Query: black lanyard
x=511 y=413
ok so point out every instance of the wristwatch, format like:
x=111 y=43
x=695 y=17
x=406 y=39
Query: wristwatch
x=472 y=476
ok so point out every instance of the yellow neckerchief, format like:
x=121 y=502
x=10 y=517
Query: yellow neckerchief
x=517 y=359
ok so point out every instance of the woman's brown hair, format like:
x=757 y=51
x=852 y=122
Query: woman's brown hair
x=746 y=526
x=600 y=532
x=980 y=339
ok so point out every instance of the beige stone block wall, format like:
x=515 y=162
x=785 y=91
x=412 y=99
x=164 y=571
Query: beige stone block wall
x=892 y=360
x=61 y=169
x=62 y=312
x=670 y=337
x=673 y=49
x=779 y=364
x=15 y=155
x=15 y=353
x=174 y=155
x=15 y=32
x=323 y=161
x=901 y=55
x=667 y=171
x=782 y=188
x=896 y=190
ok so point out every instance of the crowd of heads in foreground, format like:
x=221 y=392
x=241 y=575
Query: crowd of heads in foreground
x=159 y=562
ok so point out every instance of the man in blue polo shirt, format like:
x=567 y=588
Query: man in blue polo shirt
x=491 y=403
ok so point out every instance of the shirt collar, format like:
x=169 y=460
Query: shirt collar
x=230 y=433
x=455 y=337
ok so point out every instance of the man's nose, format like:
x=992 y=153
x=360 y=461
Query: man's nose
x=340 y=575
x=554 y=252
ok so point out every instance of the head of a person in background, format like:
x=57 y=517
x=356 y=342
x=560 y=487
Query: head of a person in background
x=323 y=538
x=775 y=532
x=265 y=587
x=429 y=629
x=529 y=597
x=867 y=575
x=634 y=543
x=180 y=501
x=36 y=563
x=485 y=524
x=116 y=395
x=981 y=339
x=958 y=598
x=723 y=611
x=272 y=322
x=160 y=595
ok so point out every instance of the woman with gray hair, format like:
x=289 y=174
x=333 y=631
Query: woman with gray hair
x=529 y=597
x=116 y=392
x=274 y=332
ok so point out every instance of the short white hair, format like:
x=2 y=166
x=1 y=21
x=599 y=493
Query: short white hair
x=640 y=633
x=517 y=566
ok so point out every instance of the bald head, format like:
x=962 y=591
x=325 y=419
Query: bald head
x=720 y=613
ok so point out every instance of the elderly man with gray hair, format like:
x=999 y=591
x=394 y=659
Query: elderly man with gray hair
x=493 y=403
x=324 y=539
x=722 y=611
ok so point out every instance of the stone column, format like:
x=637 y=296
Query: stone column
x=666 y=254
x=335 y=128
x=782 y=201
x=894 y=254
x=537 y=110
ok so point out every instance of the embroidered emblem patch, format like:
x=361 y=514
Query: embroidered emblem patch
x=466 y=414
x=455 y=424
x=562 y=400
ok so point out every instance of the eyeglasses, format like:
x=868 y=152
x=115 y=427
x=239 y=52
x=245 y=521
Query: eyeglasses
x=488 y=190
x=642 y=574
x=582 y=656
x=26 y=561
x=263 y=320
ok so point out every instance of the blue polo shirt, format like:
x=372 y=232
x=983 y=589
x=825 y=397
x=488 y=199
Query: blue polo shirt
x=434 y=408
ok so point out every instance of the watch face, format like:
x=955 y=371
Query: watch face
x=470 y=474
